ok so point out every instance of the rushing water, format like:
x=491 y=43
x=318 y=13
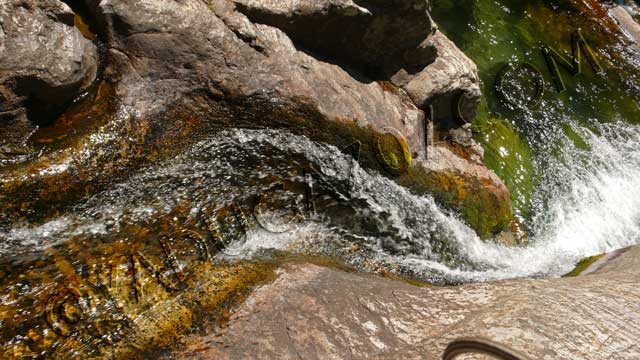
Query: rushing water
x=168 y=236
x=572 y=165
x=592 y=201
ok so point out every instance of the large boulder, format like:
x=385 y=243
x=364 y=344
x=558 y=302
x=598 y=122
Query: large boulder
x=318 y=313
x=303 y=65
x=44 y=63
x=379 y=37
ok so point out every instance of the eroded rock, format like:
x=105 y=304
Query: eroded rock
x=451 y=75
x=183 y=69
x=44 y=63
x=312 y=312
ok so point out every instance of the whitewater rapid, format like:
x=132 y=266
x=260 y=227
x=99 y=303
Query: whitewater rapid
x=590 y=202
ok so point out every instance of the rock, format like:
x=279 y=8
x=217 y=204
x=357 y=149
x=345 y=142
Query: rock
x=378 y=38
x=44 y=63
x=188 y=48
x=183 y=69
x=396 y=40
x=311 y=312
x=450 y=76
x=461 y=136
x=627 y=23
x=456 y=179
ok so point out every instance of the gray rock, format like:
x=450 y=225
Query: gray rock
x=377 y=38
x=44 y=63
x=623 y=16
x=318 y=313
x=451 y=75
x=393 y=39
x=183 y=47
x=175 y=48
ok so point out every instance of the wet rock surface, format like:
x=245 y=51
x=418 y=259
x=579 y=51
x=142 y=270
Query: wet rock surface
x=110 y=237
x=624 y=17
x=181 y=70
x=312 y=312
x=45 y=62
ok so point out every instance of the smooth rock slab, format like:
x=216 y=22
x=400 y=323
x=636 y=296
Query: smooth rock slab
x=317 y=313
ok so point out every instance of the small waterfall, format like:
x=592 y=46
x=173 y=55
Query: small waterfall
x=592 y=205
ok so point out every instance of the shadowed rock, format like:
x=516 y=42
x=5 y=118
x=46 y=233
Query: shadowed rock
x=376 y=37
x=44 y=63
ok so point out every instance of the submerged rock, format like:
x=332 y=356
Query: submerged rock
x=45 y=62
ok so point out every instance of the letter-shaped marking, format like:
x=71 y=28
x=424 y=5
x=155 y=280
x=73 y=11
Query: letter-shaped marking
x=394 y=163
x=158 y=272
x=506 y=79
x=579 y=46
x=64 y=311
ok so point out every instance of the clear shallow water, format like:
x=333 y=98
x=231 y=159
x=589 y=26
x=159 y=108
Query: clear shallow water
x=522 y=143
x=592 y=201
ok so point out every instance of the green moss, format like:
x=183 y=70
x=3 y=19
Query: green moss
x=509 y=155
x=583 y=265
x=481 y=207
x=576 y=139
x=494 y=33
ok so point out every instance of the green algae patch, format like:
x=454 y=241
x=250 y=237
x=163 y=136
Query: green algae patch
x=497 y=33
x=519 y=143
x=480 y=204
x=509 y=156
x=583 y=265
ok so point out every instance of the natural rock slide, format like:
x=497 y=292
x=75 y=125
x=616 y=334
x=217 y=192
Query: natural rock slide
x=311 y=312
x=118 y=180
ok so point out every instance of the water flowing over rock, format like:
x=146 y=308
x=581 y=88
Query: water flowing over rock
x=192 y=67
x=315 y=168
x=45 y=62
